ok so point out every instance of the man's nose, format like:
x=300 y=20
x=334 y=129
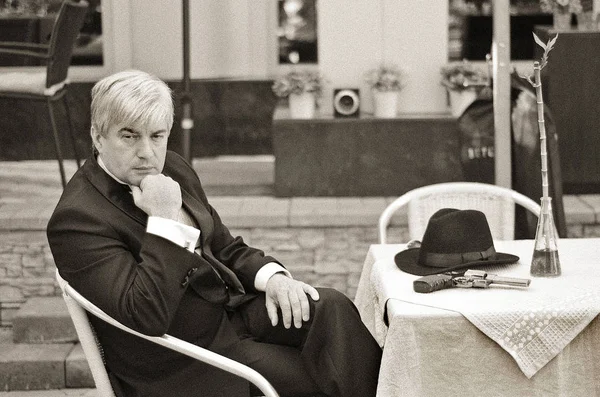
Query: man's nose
x=144 y=149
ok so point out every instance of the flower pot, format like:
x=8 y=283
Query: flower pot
x=585 y=21
x=302 y=106
x=562 y=20
x=385 y=103
x=460 y=101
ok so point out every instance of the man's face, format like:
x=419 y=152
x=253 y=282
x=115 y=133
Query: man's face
x=132 y=152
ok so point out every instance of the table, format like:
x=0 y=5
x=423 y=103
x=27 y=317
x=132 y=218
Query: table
x=430 y=351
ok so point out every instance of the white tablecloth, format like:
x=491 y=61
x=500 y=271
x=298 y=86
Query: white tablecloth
x=429 y=341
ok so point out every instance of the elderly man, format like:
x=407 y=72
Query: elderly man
x=135 y=234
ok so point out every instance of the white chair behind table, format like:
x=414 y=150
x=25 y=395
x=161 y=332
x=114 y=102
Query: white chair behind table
x=496 y=202
x=79 y=306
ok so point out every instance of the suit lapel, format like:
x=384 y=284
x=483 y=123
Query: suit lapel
x=199 y=213
x=118 y=194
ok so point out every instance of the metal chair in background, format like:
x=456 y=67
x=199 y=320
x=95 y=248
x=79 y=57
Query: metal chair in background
x=49 y=85
x=79 y=307
x=496 y=202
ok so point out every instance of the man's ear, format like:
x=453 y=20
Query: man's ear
x=95 y=134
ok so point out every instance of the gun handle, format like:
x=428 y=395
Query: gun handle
x=436 y=282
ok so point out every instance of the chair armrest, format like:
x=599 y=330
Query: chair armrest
x=24 y=45
x=34 y=50
x=28 y=53
x=178 y=345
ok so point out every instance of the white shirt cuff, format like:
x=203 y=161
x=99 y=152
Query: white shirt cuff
x=265 y=273
x=183 y=235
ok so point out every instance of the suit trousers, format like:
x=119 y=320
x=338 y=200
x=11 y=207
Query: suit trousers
x=332 y=354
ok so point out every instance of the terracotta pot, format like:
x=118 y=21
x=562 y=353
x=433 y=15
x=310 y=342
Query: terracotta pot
x=302 y=106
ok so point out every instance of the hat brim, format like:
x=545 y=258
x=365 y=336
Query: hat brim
x=407 y=261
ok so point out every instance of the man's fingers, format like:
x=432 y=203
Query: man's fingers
x=291 y=297
x=272 y=311
x=305 y=305
x=296 y=306
x=286 y=311
x=309 y=289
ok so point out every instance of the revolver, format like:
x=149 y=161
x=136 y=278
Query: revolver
x=467 y=279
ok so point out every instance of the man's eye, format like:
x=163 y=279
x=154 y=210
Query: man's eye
x=158 y=137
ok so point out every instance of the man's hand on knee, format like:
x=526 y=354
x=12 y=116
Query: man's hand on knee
x=290 y=296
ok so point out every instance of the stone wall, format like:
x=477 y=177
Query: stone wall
x=321 y=256
x=327 y=257
x=26 y=269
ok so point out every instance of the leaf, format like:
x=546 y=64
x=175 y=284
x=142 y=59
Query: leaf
x=551 y=43
x=549 y=47
x=539 y=41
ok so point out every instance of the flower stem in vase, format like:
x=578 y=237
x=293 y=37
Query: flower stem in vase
x=545 y=261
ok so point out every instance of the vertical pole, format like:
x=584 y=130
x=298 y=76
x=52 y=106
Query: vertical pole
x=187 y=122
x=501 y=76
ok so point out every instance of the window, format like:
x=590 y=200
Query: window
x=470 y=28
x=32 y=21
x=297 y=31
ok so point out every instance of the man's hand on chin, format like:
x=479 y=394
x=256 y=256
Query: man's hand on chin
x=158 y=195
x=290 y=296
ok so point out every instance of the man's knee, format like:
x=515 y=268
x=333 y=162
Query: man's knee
x=333 y=300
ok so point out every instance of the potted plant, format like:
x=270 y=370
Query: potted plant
x=301 y=87
x=463 y=82
x=385 y=82
x=562 y=10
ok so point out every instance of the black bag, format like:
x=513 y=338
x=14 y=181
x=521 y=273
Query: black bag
x=476 y=127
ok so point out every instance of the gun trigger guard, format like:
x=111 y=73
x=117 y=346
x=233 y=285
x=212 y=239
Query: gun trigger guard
x=462 y=282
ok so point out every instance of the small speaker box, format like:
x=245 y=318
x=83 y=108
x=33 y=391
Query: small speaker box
x=346 y=102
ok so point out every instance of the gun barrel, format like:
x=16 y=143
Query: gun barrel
x=512 y=281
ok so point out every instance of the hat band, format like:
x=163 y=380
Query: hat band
x=444 y=260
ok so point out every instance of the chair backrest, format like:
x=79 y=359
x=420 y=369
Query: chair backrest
x=496 y=202
x=79 y=307
x=66 y=28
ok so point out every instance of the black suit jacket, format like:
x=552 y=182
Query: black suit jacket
x=100 y=246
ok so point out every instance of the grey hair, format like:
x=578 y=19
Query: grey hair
x=129 y=98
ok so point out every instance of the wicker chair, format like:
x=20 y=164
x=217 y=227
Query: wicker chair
x=51 y=84
x=79 y=307
x=496 y=202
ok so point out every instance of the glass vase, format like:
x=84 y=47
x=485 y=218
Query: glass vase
x=545 y=261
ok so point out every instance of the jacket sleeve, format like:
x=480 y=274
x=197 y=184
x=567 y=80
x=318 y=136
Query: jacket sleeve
x=141 y=290
x=245 y=261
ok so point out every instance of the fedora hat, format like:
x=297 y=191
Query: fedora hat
x=453 y=240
